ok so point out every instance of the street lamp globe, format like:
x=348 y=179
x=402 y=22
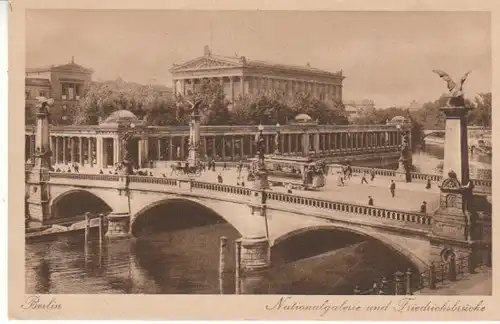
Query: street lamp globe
x=261 y=128
x=277 y=125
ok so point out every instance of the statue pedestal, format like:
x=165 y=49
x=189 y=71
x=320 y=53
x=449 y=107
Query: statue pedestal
x=119 y=220
x=254 y=254
x=118 y=225
x=261 y=179
x=403 y=174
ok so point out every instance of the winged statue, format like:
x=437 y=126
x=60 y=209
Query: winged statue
x=195 y=105
x=44 y=104
x=456 y=94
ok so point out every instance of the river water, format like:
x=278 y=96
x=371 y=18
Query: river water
x=179 y=254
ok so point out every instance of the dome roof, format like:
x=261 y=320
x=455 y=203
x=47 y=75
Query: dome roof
x=303 y=118
x=398 y=119
x=121 y=117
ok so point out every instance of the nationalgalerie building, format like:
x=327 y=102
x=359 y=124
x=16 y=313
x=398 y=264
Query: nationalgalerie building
x=240 y=75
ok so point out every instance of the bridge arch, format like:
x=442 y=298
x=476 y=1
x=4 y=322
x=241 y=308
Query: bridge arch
x=171 y=213
x=76 y=202
x=416 y=261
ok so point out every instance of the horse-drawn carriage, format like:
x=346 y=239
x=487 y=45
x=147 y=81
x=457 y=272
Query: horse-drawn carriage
x=186 y=169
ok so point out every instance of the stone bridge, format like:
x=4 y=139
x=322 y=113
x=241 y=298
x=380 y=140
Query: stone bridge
x=286 y=215
x=474 y=133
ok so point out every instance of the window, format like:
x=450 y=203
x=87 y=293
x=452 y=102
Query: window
x=27 y=94
x=43 y=93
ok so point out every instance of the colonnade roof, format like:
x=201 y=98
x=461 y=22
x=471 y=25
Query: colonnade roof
x=121 y=117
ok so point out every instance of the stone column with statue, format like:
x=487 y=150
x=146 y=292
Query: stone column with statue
x=455 y=224
x=194 y=133
x=119 y=218
x=38 y=196
x=403 y=172
x=255 y=248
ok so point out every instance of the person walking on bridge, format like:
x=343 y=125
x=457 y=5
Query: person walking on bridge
x=372 y=174
x=370 y=201
x=423 y=207
x=363 y=178
x=428 y=185
x=392 y=188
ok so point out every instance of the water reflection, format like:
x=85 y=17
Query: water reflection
x=186 y=262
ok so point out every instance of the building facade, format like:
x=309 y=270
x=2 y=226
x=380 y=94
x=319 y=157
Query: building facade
x=240 y=75
x=64 y=83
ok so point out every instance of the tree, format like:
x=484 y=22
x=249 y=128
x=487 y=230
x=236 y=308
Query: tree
x=481 y=114
x=214 y=106
x=264 y=107
x=29 y=116
x=103 y=98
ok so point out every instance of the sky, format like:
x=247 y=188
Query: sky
x=387 y=57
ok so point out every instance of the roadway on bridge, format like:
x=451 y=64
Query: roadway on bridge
x=409 y=196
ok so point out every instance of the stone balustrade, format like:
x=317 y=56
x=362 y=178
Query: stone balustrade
x=345 y=207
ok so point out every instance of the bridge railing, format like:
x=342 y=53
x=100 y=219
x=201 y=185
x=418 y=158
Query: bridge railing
x=407 y=283
x=153 y=180
x=84 y=176
x=484 y=183
x=380 y=212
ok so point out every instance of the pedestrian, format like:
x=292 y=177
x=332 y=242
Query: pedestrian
x=219 y=178
x=101 y=172
x=213 y=165
x=372 y=174
x=370 y=201
x=363 y=178
x=423 y=207
x=428 y=185
x=242 y=183
x=224 y=166
x=393 y=188
x=289 y=188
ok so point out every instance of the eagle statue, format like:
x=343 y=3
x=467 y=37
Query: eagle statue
x=456 y=94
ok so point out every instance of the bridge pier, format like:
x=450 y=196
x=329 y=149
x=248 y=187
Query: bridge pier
x=119 y=220
x=457 y=230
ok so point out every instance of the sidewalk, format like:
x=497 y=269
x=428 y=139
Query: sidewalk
x=480 y=283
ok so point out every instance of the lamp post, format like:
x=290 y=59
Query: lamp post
x=260 y=182
x=126 y=145
x=403 y=171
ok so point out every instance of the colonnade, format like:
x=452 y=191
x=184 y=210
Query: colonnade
x=236 y=85
x=225 y=147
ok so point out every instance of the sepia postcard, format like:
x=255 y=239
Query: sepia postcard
x=327 y=160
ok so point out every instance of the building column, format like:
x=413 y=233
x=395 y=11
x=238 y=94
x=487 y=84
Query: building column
x=80 y=150
x=56 y=150
x=316 y=143
x=174 y=87
x=242 y=148
x=242 y=86
x=90 y=153
x=64 y=147
x=231 y=89
x=233 y=152
x=223 y=153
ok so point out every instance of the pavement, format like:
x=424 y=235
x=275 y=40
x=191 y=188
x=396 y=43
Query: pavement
x=480 y=283
x=409 y=196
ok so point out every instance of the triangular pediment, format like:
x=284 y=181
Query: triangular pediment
x=206 y=62
x=72 y=67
